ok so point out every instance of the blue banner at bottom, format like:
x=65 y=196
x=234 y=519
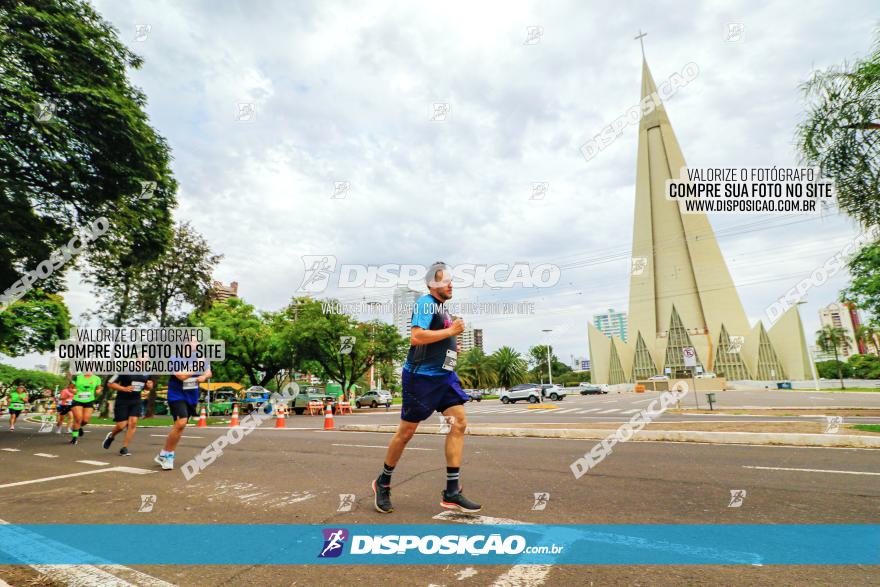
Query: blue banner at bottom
x=371 y=544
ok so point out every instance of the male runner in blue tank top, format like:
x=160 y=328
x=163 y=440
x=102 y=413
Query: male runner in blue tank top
x=431 y=385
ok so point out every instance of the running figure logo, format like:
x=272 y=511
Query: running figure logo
x=736 y=498
x=318 y=270
x=147 y=503
x=832 y=424
x=334 y=540
x=346 y=502
x=541 y=501
x=346 y=344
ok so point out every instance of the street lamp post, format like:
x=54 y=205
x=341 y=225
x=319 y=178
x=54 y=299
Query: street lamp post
x=549 y=370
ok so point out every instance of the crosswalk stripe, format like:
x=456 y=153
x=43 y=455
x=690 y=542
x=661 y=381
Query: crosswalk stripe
x=567 y=411
x=631 y=411
x=10 y=449
x=590 y=410
x=610 y=411
x=48 y=456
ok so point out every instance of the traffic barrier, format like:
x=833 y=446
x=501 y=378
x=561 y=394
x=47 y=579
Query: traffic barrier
x=203 y=419
x=341 y=407
x=279 y=417
x=328 y=419
x=234 y=421
x=316 y=407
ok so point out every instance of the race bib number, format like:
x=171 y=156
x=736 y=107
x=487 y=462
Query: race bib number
x=451 y=359
x=17 y=406
x=84 y=396
x=137 y=386
x=190 y=383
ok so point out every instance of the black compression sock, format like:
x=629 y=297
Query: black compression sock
x=385 y=477
x=452 y=476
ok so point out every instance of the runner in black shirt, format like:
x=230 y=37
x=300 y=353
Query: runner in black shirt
x=127 y=408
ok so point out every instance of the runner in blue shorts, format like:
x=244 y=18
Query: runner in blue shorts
x=430 y=385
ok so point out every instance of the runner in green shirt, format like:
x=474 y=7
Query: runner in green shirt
x=17 y=400
x=87 y=386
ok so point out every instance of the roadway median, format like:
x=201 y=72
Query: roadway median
x=781 y=433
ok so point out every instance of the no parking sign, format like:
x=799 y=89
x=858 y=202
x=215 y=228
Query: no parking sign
x=689 y=354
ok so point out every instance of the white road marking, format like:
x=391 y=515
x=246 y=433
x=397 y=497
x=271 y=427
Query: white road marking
x=76 y=575
x=45 y=455
x=11 y=449
x=609 y=411
x=131 y=470
x=380 y=446
x=515 y=576
x=166 y=436
x=567 y=411
x=590 y=410
x=631 y=411
x=96 y=463
x=812 y=470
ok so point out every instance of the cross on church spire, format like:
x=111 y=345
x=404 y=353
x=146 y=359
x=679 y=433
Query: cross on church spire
x=640 y=38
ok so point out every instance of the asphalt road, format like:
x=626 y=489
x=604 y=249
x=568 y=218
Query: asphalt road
x=620 y=407
x=297 y=476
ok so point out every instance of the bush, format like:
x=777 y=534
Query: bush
x=865 y=366
x=828 y=369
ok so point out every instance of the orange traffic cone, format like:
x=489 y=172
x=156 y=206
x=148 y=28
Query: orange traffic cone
x=279 y=417
x=234 y=421
x=328 y=418
x=203 y=420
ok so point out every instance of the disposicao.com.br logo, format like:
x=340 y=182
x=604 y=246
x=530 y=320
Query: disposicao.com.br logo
x=319 y=270
x=431 y=544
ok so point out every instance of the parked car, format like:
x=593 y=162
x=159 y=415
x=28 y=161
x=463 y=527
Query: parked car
x=590 y=388
x=526 y=391
x=221 y=403
x=552 y=391
x=253 y=398
x=302 y=399
x=474 y=394
x=374 y=398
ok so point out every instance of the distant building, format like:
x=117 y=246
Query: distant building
x=40 y=368
x=221 y=293
x=841 y=316
x=611 y=323
x=54 y=365
x=470 y=338
x=403 y=302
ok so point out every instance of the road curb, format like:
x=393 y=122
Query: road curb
x=757 y=438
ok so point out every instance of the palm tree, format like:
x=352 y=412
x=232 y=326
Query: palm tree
x=831 y=339
x=475 y=369
x=839 y=132
x=510 y=367
x=868 y=334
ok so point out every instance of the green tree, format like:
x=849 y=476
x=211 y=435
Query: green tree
x=32 y=380
x=538 y=362
x=833 y=339
x=33 y=324
x=864 y=287
x=75 y=142
x=318 y=338
x=179 y=278
x=510 y=368
x=840 y=132
x=833 y=369
x=256 y=342
x=476 y=370
x=864 y=366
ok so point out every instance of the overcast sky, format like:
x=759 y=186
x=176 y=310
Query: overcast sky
x=344 y=92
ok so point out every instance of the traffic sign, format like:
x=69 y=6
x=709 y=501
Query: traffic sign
x=689 y=354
